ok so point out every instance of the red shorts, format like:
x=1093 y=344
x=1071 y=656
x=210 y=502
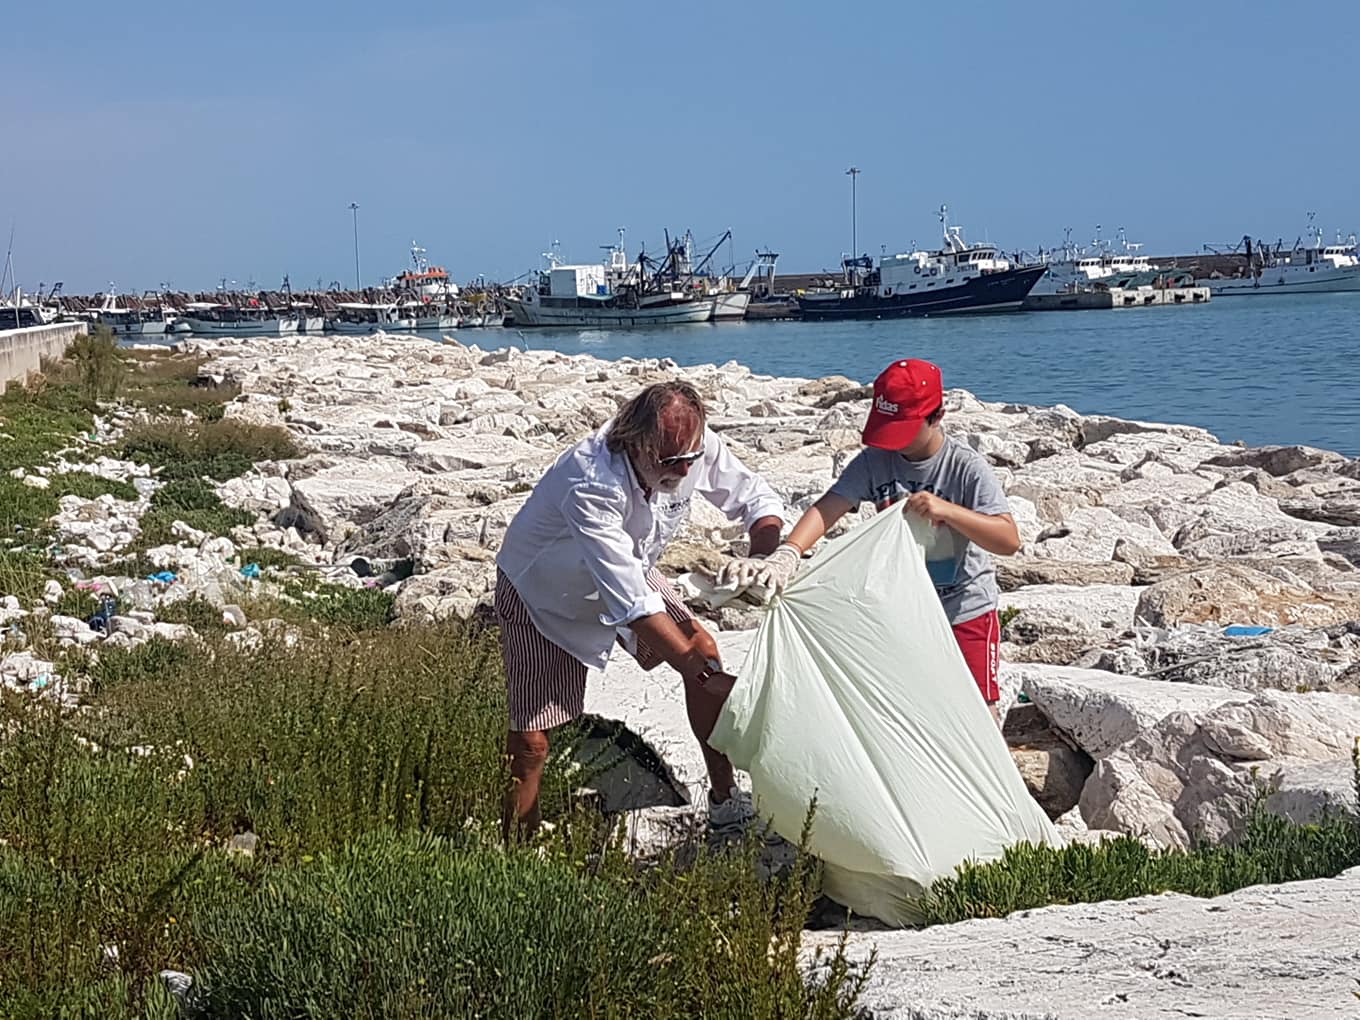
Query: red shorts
x=980 y=641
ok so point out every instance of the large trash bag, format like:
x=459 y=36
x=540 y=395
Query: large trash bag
x=855 y=693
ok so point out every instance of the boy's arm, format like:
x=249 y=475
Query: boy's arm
x=817 y=521
x=996 y=533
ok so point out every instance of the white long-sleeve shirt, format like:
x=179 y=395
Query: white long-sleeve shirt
x=579 y=549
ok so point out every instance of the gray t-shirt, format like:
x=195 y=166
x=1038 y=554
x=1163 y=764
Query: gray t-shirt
x=964 y=575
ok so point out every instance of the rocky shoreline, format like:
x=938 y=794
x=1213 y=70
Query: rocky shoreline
x=1181 y=626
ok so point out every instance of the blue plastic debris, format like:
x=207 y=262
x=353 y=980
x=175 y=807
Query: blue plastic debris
x=164 y=577
x=251 y=570
x=1240 y=630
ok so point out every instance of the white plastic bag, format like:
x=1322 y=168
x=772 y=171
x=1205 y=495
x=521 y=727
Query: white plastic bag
x=855 y=693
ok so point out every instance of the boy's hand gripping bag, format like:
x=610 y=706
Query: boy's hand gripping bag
x=855 y=693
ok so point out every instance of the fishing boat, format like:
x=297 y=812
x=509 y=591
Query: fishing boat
x=958 y=278
x=614 y=293
x=1310 y=267
x=128 y=320
x=207 y=318
x=361 y=317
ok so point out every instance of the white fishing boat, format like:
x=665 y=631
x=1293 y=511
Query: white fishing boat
x=958 y=278
x=615 y=293
x=361 y=317
x=127 y=320
x=1310 y=267
x=1079 y=269
x=731 y=299
x=209 y=319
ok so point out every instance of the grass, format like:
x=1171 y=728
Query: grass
x=195 y=611
x=371 y=770
x=1272 y=850
x=220 y=450
x=193 y=501
x=334 y=604
x=268 y=557
x=169 y=382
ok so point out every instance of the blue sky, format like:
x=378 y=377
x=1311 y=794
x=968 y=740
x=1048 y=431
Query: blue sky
x=157 y=142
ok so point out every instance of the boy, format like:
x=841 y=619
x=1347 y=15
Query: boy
x=910 y=458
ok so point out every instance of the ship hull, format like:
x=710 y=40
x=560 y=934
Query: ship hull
x=991 y=292
x=533 y=314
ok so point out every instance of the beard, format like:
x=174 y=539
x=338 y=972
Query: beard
x=668 y=484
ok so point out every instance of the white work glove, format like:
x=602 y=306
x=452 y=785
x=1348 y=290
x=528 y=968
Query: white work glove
x=772 y=572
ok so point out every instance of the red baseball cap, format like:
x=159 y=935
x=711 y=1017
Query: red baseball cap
x=905 y=394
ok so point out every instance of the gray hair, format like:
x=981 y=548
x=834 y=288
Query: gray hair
x=637 y=426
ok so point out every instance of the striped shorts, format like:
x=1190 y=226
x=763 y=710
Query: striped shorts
x=546 y=685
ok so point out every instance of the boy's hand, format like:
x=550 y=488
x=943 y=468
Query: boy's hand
x=930 y=506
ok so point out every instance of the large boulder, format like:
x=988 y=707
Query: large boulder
x=1258 y=952
x=1102 y=711
x=1014 y=572
x=338 y=500
x=1229 y=593
x=1276 y=460
x=1194 y=777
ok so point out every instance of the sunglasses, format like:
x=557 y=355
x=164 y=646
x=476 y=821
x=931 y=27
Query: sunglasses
x=680 y=458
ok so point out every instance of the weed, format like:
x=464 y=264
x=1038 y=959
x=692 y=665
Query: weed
x=168 y=381
x=355 y=608
x=220 y=450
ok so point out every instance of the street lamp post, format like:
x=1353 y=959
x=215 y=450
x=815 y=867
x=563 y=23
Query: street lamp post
x=354 y=208
x=853 y=173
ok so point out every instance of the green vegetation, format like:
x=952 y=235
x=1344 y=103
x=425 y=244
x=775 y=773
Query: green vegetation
x=355 y=608
x=371 y=770
x=196 y=503
x=97 y=363
x=215 y=449
x=1271 y=850
x=167 y=382
x=267 y=557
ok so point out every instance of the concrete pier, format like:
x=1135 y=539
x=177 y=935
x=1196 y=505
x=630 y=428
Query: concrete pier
x=22 y=350
x=1115 y=297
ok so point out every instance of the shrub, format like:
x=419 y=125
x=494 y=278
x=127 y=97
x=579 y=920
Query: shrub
x=98 y=364
x=168 y=381
x=355 y=608
x=1271 y=850
x=220 y=450
x=413 y=927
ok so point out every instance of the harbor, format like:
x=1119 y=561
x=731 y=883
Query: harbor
x=688 y=285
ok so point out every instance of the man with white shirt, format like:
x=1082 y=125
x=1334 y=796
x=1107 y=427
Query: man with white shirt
x=577 y=575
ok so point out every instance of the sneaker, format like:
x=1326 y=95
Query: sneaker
x=732 y=815
x=735 y=816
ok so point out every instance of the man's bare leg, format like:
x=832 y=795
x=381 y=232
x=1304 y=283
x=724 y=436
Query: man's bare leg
x=520 y=814
x=703 y=708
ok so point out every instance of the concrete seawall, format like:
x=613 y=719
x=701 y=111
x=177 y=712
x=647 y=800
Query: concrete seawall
x=22 y=350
